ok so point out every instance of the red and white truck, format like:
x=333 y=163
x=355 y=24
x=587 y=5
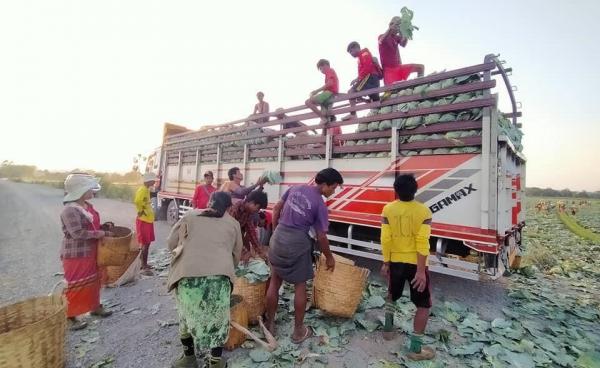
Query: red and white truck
x=445 y=128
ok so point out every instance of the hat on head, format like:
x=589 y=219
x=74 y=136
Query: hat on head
x=77 y=185
x=148 y=177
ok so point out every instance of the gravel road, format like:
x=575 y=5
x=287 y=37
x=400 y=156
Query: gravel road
x=139 y=333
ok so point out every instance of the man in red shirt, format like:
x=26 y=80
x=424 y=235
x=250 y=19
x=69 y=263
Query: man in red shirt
x=322 y=96
x=368 y=75
x=389 y=53
x=203 y=192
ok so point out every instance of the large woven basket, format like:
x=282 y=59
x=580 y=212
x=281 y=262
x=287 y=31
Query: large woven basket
x=239 y=314
x=32 y=333
x=113 y=273
x=114 y=250
x=254 y=297
x=339 y=292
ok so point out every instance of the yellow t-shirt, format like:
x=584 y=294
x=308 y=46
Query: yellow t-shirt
x=405 y=231
x=143 y=204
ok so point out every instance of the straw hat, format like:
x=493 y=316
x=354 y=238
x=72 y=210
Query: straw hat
x=77 y=185
x=148 y=177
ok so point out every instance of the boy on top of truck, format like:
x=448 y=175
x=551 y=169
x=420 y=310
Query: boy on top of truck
x=322 y=96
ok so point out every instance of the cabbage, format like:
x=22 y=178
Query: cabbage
x=406 y=27
x=350 y=143
x=382 y=141
x=417 y=138
x=432 y=118
x=385 y=125
x=412 y=105
x=405 y=92
x=463 y=97
x=425 y=104
x=449 y=116
x=420 y=89
x=434 y=87
x=361 y=142
x=372 y=155
x=385 y=110
x=362 y=127
x=441 y=151
x=476 y=114
x=453 y=135
x=435 y=137
x=360 y=155
x=464 y=79
x=413 y=122
x=426 y=152
x=402 y=107
x=447 y=83
x=383 y=154
x=444 y=101
x=373 y=126
x=372 y=141
x=409 y=153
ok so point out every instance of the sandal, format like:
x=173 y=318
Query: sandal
x=76 y=325
x=101 y=312
x=307 y=335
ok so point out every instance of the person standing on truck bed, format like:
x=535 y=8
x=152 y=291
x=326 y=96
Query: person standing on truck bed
x=246 y=213
x=300 y=208
x=368 y=75
x=235 y=188
x=144 y=222
x=322 y=96
x=262 y=107
x=389 y=53
x=405 y=231
x=203 y=192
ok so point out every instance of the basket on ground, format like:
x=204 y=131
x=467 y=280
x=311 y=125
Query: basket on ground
x=238 y=313
x=114 y=250
x=32 y=333
x=254 y=297
x=339 y=292
x=113 y=273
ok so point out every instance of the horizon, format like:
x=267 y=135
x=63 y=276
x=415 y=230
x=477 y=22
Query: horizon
x=90 y=85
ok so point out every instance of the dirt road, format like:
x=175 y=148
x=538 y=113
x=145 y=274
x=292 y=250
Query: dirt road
x=140 y=333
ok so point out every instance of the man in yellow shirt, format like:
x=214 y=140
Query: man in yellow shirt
x=405 y=230
x=144 y=223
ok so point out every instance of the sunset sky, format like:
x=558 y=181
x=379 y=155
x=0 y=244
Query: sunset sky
x=89 y=84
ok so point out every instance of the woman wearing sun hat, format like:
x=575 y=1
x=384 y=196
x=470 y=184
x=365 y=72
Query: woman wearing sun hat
x=81 y=229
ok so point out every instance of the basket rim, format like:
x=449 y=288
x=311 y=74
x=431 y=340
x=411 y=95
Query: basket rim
x=53 y=297
x=130 y=233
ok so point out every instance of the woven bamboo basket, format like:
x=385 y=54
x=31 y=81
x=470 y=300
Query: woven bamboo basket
x=32 y=333
x=339 y=292
x=114 y=250
x=239 y=314
x=254 y=297
x=113 y=273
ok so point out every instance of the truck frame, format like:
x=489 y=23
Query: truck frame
x=475 y=197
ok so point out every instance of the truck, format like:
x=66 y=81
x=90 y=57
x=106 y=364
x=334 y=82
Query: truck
x=445 y=128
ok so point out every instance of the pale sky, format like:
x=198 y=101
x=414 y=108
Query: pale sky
x=89 y=84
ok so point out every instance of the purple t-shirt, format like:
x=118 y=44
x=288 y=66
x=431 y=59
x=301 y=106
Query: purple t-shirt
x=304 y=208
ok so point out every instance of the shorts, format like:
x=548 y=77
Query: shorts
x=145 y=232
x=400 y=273
x=323 y=98
x=366 y=83
x=397 y=73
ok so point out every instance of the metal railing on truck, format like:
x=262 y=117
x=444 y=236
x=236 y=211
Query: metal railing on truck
x=462 y=98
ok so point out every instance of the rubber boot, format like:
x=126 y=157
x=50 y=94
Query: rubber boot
x=185 y=361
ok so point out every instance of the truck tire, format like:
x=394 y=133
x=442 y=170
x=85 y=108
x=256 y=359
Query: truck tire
x=172 y=212
x=161 y=211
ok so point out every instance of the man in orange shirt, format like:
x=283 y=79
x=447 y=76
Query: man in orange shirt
x=368 y=75
x=323 y=96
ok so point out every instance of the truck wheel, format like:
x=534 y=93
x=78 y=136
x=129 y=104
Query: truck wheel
x=172 y=212
x=161 y=211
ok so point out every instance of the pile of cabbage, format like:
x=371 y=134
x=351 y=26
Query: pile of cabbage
x=505 y=126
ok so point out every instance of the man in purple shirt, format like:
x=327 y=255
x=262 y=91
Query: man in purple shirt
x=300 y=209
